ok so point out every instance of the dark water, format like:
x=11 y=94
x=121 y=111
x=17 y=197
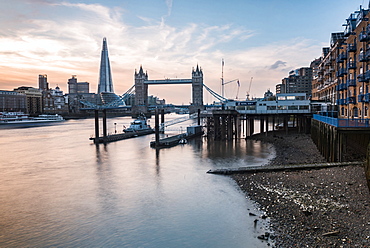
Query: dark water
x=57 y=189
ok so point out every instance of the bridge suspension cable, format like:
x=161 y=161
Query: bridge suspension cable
x=122 y=98
x=217 y=96
x=178 y=120
x=113 y=104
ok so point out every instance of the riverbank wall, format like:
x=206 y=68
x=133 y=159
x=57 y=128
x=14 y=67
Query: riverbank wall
x=339 y=144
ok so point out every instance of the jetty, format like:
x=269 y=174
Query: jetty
x=120 y=136
x=192 y=132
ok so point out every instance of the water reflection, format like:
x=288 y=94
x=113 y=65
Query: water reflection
x=123 y=194
x=101 y=157
x=157 y=164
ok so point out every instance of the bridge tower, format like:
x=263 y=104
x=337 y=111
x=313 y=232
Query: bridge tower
x=141 y=93
x=197 y=90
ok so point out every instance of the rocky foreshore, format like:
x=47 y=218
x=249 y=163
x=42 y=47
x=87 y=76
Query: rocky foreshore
x=310 y=208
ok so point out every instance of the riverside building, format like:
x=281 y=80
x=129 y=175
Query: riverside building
x=343 y=74
x=298 y=81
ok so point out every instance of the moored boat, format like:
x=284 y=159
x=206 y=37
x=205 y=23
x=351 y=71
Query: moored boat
x=138 y=125
x=20 y=119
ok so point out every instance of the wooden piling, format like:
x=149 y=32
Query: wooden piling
x=96 y=126
x=262 y=124
x=156 y=127
x=267 y=125
x=104 y=124
x=198 y=117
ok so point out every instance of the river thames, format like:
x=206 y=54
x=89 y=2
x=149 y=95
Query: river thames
x=58 y=189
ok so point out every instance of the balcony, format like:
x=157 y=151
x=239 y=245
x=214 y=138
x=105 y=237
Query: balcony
x=367 y=75
x=342 y=72
x=362 y=78
x=341 y=87
x=367 y=97
x=351 y=100
x=362 y=57
x=351 y=82
x=328 y=62
x=341 y=102
x=351 y=47
x=361 y=98
x=351 y=65
x=341 y=57
x=363 y=36
x=364 y=97
x=368 y=29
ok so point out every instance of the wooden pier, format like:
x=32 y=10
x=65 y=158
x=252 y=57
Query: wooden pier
x=120 y=136
x=192 y=132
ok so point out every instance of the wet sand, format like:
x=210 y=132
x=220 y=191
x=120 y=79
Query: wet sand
x=310 y=208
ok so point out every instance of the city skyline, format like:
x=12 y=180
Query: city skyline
x=260 y=40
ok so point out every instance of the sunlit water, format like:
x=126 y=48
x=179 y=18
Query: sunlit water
x=57 y=189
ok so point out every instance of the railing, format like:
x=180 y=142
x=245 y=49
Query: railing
x=367 y=97
x=342 y=101
x=362 y=57
x=363 y=36
x=351 y=82
x=341 y=122
x=351 y=65
x=361 y=98
x=362 y=78
x=351 y=99
x=342 y=87
x=342 y=72
x=351 y=47
x=341 y=57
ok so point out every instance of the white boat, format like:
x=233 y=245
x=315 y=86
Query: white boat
x=138 y=125
x=20 y=119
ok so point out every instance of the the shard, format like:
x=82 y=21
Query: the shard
x=105 y=75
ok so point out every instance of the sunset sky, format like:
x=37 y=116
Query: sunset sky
x=259 y=39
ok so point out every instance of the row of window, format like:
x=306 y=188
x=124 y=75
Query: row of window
x=280 y=107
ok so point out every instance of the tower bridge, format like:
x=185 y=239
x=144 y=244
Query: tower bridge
x=141 y=90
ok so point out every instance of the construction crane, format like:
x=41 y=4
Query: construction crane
x=237 y=81
x=249 y=88
x=223 y=83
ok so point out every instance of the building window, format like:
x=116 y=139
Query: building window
x=355 y=112
x=365 y=111
x=342 y=111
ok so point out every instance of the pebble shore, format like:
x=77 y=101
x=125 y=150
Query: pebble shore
x=310 y=208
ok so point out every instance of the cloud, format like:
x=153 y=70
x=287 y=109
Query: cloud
x=277 y=64
x=169 y=7
x=64 y=45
